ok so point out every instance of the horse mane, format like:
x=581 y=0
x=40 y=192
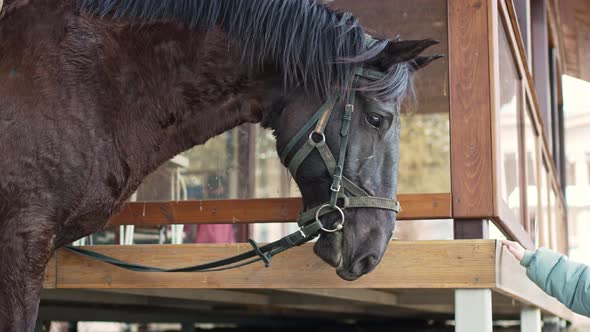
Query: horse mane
x=313 y=45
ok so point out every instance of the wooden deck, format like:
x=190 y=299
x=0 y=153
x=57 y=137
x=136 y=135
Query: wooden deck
x=416 y=277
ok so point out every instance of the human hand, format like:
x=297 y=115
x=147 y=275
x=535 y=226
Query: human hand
x=515 y=249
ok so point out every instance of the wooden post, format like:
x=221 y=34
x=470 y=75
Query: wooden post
x=530 y=320
x=470 y=108
x=472 y=229
x=473 y=310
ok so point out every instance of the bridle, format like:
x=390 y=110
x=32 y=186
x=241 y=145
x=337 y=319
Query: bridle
x=344 y=193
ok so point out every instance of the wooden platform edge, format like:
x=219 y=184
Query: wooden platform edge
x=266 y=210
x=407 y=265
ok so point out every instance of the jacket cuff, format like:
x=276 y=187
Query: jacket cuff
x=528 y=257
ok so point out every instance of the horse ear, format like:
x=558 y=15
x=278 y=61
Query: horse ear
x=398 y=51
x=423 y=61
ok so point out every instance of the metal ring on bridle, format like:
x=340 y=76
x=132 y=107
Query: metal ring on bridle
x=339 y=226
x=318 y=133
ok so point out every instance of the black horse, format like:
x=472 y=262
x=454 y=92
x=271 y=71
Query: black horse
x=96 y=94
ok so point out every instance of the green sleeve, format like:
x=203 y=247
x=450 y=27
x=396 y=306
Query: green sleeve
x=567 y=281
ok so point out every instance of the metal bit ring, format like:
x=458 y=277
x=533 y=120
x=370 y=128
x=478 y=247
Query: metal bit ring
x=338 y=226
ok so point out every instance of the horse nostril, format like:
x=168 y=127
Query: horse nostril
x=365 y=264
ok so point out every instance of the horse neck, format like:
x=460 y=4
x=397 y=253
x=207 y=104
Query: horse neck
x=178 y=88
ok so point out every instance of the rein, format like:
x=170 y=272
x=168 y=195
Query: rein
x=343 y=194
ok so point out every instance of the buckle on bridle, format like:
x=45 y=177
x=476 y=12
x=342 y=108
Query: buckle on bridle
x=337 y=189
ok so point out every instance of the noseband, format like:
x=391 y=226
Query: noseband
x=344 y=193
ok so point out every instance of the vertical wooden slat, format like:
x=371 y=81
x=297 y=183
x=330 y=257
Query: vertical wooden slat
x=470 y=119
x=522 y=160
x=246 y=170
x=540 y=41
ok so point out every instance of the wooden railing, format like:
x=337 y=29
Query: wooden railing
x=245 y=211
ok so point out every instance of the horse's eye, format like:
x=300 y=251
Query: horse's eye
x=374 y=120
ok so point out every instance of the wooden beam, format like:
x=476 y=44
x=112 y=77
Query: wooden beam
x=199 y=295
x=105 y=297
x=365 y=296
x=241 y=211
x=419 y=264
x=470 y=119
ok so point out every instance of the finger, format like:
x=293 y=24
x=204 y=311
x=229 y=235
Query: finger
x=508 y=244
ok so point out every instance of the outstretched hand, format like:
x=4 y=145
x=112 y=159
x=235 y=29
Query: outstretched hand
x=515 y=249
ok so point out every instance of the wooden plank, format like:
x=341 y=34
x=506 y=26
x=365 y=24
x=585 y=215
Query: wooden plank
x=419 y=264
x=199 y=295
x=470 y=119
x=366 y=296
x=240 y=211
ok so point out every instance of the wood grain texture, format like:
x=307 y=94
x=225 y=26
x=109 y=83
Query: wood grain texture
x=240 y=211
x=470 y=119
x=573 y=18
x=418 y=264
x=419 y=275
x=417 y=19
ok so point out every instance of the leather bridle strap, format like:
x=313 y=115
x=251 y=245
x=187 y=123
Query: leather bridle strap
x=264 y=253
x=342 y=189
